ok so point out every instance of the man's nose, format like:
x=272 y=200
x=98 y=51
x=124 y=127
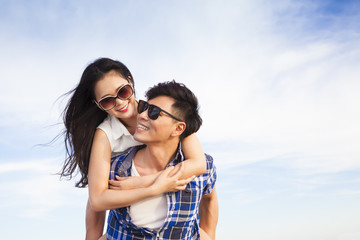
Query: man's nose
x=144 y=115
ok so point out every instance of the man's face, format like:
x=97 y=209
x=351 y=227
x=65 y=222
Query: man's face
x=159 y=130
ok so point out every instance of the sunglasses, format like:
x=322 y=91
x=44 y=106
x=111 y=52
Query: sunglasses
x=109 y=102
x=153 y=111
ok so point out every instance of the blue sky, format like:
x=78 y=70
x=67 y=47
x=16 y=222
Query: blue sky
x=278 y=83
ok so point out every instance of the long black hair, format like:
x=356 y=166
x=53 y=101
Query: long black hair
x=81 y=117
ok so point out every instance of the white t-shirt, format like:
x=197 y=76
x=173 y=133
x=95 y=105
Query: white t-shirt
x=150 y=212
x=119 y=137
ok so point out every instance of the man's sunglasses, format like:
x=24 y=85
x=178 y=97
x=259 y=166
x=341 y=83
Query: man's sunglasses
x=109 y=102
x=153 y=111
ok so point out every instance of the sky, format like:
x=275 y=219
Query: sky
x=278 y=85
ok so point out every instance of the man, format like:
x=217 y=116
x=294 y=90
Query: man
x=170 y=114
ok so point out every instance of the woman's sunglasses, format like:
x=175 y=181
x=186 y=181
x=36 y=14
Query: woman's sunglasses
x=109 y=102
x=153 y=111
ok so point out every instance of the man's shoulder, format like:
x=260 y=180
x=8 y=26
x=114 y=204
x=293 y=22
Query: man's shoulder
x=120 y=164
x=130 y=151
x=209 y=161
x=208 y=157
x=210 y=175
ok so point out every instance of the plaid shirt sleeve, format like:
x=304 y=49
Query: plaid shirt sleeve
x=210 y=175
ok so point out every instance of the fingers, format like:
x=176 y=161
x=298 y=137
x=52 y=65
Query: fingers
x=167 y=183
x=120 y=178
x=179 y=171
x=168 y=171
x=189 y=179
x=181 y=184
x=175 y=169
x=181 y=188
x=177 y=188
x=114 y=185
x=185 y=181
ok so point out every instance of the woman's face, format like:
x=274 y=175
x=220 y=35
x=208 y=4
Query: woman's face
x=109 y=86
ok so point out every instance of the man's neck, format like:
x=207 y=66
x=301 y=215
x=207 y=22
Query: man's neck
x=155 y=157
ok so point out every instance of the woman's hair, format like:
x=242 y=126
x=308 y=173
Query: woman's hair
x=81 y=117
x=186 y=106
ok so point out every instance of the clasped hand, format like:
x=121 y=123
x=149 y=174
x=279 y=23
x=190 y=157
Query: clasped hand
x=168 y=180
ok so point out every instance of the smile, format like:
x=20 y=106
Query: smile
x=124 y=109
x=142 y=127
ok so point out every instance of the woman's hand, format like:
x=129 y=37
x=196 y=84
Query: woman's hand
x=169 y=180
x=165 y=181
x=126 y=183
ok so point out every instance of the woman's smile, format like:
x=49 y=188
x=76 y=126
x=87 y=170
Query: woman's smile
x=124 y=108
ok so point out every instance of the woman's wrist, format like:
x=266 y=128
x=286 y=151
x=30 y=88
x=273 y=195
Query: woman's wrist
x=154 y=190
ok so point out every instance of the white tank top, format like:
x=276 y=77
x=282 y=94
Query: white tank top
x=149 y=212
x=119 y=137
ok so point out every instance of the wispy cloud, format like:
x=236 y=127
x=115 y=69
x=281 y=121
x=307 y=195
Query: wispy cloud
x=34 y=190
x=350 y=236
x=277 y=83
x=44 y=165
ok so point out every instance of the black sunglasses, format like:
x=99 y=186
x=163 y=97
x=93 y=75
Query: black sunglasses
x=153 y=111
x=109 y=102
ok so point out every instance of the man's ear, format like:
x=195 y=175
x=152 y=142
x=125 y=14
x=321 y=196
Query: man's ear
x=180 y=128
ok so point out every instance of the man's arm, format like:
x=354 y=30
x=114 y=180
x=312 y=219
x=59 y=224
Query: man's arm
x=209 y=213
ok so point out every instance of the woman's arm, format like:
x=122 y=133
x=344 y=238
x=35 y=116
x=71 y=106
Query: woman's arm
x=195 y=161
x=103 y=198
x=194 y=165
x=98 y=175
x=95 y=219
x=126 y=183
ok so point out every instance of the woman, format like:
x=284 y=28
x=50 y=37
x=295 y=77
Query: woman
x=100 y=120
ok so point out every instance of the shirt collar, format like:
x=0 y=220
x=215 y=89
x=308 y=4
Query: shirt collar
x=117 y=127
x=124 y=169
x=179 y=157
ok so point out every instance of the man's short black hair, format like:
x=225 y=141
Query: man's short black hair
x=186 y=105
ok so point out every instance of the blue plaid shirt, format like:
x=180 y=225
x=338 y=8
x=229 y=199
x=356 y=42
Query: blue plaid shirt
x=182 y=221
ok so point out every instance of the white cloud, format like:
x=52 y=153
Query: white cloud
x=36 y=190
x=45 y=165
x=349 y=236
x=275 y=88
x=295 y=101
x=299 y=101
